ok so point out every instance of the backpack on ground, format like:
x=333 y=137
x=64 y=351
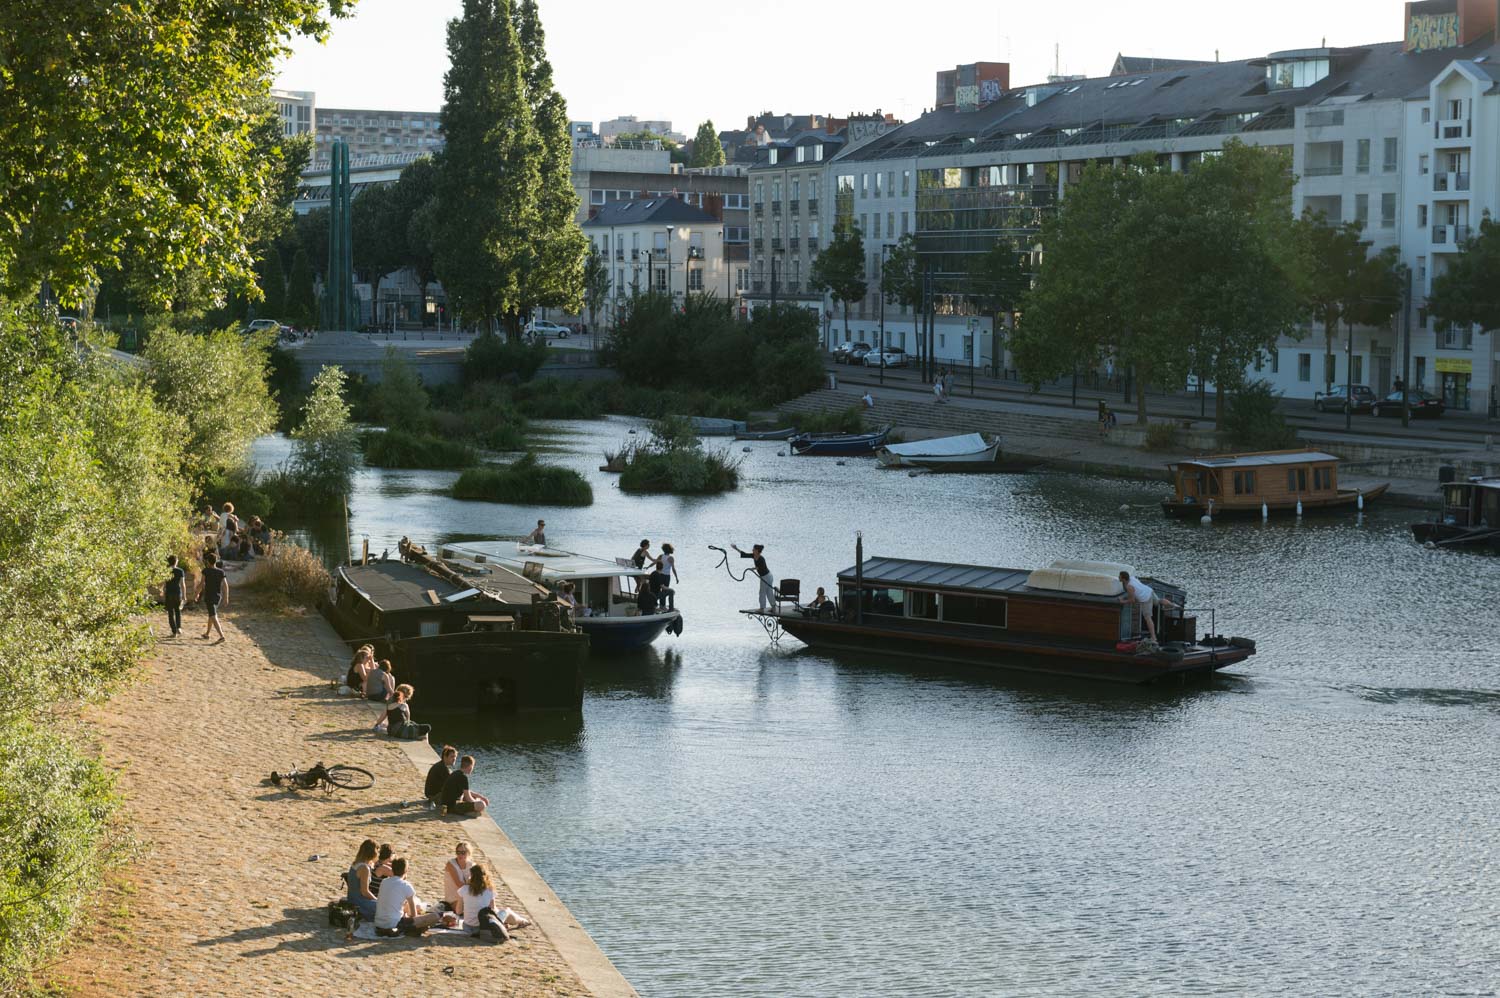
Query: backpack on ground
x=343 y=915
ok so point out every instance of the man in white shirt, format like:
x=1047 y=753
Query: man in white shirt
x=395 y=904
x=1143 y=596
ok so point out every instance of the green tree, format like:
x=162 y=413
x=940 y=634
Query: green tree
x=595 y=284
x=900 y=282
x=325 y=449
x=400 y=401
x=1467 y=292
x=997 y=280
x=707 y=149
x=272 y=281
x=123 y=141
x=840 y=270
x=301 y=294
x=215 y=386
x=379 y=236
x=1331 y=259
x=416 y=212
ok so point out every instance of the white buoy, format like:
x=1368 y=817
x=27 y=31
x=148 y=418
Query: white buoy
x=1359 y=501
x=1125 y=507
x=1207 y=519
x=1265 y=513
x=1299 y=507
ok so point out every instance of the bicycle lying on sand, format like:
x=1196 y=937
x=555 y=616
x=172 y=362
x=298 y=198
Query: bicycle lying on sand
x=328 y=778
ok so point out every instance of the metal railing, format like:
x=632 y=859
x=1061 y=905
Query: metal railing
x=794 y=242
x=759 y=207
x=794 y=208
x=1450 y=181
x=1324 y=170
x=776 y=207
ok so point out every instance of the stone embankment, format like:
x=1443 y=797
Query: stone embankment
x=230 y=889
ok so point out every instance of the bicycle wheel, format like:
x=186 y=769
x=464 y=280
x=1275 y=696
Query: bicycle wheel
x=350 y=777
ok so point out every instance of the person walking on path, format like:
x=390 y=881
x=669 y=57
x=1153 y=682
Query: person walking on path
x=937 y=389
x=1103 y=419
x=947 y=383
x=1144 y=598
x=172 y=594
x=767 y=580
x=213 y=589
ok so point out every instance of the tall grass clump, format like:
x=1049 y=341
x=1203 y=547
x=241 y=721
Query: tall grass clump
x=850 y=420
x=527 y=482
x=675 y=461
x=291 y=575
x=400 y=449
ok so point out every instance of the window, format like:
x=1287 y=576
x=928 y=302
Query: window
x=1362 y=157
x=1275 y=361
x=742 y=279
x=1296 y=479
x=695 y=279
x=1322 y=479
x=1421 y=216
x=905 y=182
x=864 y=185
x=1421 y=369
x=661 y=278
x=890 y=223
x=1388 y=210
x=889 y=602
x=1422 y=317
x=817 y=153
x=904 y=229
x=922 y=606
x=1244 y=483
x=1358 y=369
x=1421 y=272
x=1389 y=162
x=864 y=224
x=879 y=186
x=1422 y=162
x=980 y=611
x=771 y=155
x=736 y=201
x=875 y=234
x=1455 y=110
x=890 y=183
x=1426 y=115
x=776 y=191
x=1362 y=210
x=596 y=197
x=796 y=188
x=1304 y=367
x=801 y=153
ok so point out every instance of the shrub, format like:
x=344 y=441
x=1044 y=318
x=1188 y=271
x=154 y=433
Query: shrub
x=1253 y=420
x=292 y=574
x=400 y=449
x=239 y=486
x=399 y=400
x=674 y=461
x=494 y=358
x=326 y=448
x=1161 y=436
x=850 y=420
x=527 y=481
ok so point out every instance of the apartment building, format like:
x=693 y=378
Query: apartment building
x=788 y=220
x=659 y=243
x=371 y=132
x=297 y=110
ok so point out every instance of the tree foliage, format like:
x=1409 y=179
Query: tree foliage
x=901 y=283
x=325 y=450
x=301 y=294
x=596 y=283
x=400 y=400
x=840 y=270
x=707 y=149
x=127 y=141
x=1468 y=291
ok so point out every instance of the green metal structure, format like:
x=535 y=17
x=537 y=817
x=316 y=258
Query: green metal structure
x=340 y=306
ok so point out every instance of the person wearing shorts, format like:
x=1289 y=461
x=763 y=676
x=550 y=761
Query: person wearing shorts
x=213 y=588
x=1144 y=598
x=458 y=796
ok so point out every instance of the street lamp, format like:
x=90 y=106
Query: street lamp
x=724 y=257
x=670 y=293
x=884 y=248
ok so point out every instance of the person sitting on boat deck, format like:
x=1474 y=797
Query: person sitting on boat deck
x=455 y=875
x=566 y=597
x=476 y=903
x=642 y=554
x=380 y=684
x=1143 y=596
x=458 y=796
x=396 y=906
x=359 y=668
x=398 y=723
x=539 y=535
x=661 y=579
x=437 y=776
x=767 y=580
x=382 y=868
x=645 y=600
x=361 y=892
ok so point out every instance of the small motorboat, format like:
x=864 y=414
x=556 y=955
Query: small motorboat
x=1469 y=517
x=783 y=434
x=839 y=444
x=710 y=426
x=967 y=452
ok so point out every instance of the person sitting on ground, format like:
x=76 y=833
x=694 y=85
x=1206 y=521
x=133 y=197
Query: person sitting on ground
x=396 y=907
x=437 y=776
x=361 y=890
x=455 y=875
x=382 y=867
x=244 y=547
x=645 y=600
x=260 y=535
x=476 y=903
x=1144 y=598
x=398 y=723
x=539 y=535
x=380 y=684
x=208 y=521
x=229 y=524
x=458 y=796
x=359 y=667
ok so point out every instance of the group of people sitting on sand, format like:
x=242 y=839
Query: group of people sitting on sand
x=234 y=539
x=376 y=681
x=380 y=893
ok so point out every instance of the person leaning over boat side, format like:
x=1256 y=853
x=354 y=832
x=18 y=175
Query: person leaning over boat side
x=539 y=535
x=458 y=796
x=213 y=589
x=767 y=580
x=437 y=776
x=1144 y=598
x=398 y=722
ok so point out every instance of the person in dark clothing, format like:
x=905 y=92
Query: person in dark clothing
x=458 y=798
x=437 y=776
x=642 y=555
x=645 y=600
x=172 y=594
x=213 y=589
x=767 y=580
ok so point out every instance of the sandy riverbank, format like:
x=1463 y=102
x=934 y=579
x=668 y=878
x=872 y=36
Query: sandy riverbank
x=230 y=890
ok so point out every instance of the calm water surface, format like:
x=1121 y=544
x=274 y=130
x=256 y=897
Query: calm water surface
x=731 y=818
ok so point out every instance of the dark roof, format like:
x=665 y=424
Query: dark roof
x=938 y=574
x=395 y=585
x=1128 y=65
x=642 y=210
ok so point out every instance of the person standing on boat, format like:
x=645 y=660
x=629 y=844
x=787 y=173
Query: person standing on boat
x=539 y=535
x=642 y=554
x=665 y=574
x=767 y=580
x=1144 y=598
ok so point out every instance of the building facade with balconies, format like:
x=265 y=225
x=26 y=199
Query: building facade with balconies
x=661 y=244
x=788 y=220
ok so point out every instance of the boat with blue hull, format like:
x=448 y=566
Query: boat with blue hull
x=839 y=444
x=605 y=589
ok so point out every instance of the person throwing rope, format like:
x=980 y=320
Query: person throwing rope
x=767 y=580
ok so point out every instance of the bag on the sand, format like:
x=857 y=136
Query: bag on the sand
x=343 y=915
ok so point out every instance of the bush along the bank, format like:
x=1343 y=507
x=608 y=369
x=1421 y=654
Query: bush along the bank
x=675 y=461
x=399 y=449
x=325 y=453
x=527 y=482
x=495 y=358
x=850 y=420
x=291 y=575
x=1253 y=420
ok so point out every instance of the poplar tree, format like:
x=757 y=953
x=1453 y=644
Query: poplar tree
x=707 y=149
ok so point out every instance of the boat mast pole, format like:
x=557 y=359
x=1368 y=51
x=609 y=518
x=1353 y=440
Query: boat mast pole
x=348 y=539
x=859 y=577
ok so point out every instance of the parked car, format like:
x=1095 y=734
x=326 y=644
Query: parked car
x=891 y=357
x=857 y=355
x=261 y=326
x=844 y=352
x=1337 y=400
x=1423 y=404
x=552 y=330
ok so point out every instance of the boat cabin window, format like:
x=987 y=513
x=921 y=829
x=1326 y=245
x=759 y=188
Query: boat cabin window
x=923 y=606
x=1244 y=483
x=1322 y=479
x=982 y=611
x=1489 y=507
x=429 y=628
x=1201 y=483
x=1296 y=479
x=1456 y=504
x=890 y=602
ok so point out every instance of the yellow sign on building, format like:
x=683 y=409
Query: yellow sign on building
x=1453 y=365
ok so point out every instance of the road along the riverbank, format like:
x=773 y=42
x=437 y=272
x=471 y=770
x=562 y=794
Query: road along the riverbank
x=230 y=893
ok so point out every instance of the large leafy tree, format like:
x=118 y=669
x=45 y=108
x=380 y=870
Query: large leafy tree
x=900 y=281
x=127 y=140
x=1331 y=259
x=997 y=280
x=707 y=149
x=595 y=284
x=840 y=270
x=1468 y=291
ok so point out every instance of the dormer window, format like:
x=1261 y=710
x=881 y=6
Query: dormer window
x=1295 y=71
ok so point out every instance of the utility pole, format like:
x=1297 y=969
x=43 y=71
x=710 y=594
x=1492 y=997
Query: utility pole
x=883 y=248
x=1406 y=346
x=1349 y=379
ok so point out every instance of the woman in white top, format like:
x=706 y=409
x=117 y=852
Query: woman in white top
x=476 y=903
x=455 y=874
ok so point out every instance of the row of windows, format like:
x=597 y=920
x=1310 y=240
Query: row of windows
x=793 y=229
x=976 y=611
x=795 y=187
x=433 y=123
x=659 y=279
x=600 y=196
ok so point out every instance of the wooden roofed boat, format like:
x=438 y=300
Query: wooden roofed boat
x=1468 y=517
x=1279 y=480
x=499 y=643
x=1063 y=620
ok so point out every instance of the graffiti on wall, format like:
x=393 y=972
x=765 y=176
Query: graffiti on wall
x=1425 y=32
x=989 y=91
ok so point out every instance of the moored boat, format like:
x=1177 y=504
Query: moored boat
x=1469 y=516
x=839 y=444
x=499 y=643
x=712 y=426
x=1283 y=481
x=604 y=589
x=785 y=433
x=1063 y=620
x=968 y=452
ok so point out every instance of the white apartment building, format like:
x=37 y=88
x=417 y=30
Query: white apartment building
x=297 y=109
x=660 y=244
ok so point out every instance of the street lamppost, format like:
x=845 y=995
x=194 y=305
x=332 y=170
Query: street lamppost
x=670 y=292
x=724 y=257
x=884 y=248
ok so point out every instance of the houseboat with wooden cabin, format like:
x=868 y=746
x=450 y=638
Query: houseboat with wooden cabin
x=1062 y=620
x=1468 y=517
x=1280 y=481
x=502 y=645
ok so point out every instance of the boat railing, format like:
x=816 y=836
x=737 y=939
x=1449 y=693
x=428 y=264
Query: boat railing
x=1213 y=624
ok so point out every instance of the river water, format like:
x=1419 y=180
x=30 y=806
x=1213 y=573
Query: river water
x=732 y=818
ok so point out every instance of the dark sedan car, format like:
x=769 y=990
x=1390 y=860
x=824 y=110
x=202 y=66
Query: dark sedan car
x=850 y=353
x=1337 y=400
x=1423 y=404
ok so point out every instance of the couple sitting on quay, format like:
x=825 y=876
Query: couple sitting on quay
x=448 y=790
x=378 y=683
x=379 y=892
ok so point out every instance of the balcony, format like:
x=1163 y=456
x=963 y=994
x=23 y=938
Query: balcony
x=792 y=287
x=1453 y=128
x=812 y=206
x=759 y=244
x=776 y=244
x=1449 y=235
x=1324 y=170
x=757 y=286
x=635 y=254
x=1453 y=338
x=794 y=243
x=695 y=252
x=776 y=207
x=759 y=208
x=812 y=242
x=619 y=254
x=1450 y=181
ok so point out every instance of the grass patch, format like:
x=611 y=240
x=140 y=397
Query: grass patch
x=1161 y=437
x=527 y=481
x=674 y=461
x=291 y=575
x=400 y=449
x=850 y=420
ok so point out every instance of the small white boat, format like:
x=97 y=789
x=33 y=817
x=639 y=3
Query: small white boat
x=969 y=450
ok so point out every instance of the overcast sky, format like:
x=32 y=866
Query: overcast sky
x=687 y=62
